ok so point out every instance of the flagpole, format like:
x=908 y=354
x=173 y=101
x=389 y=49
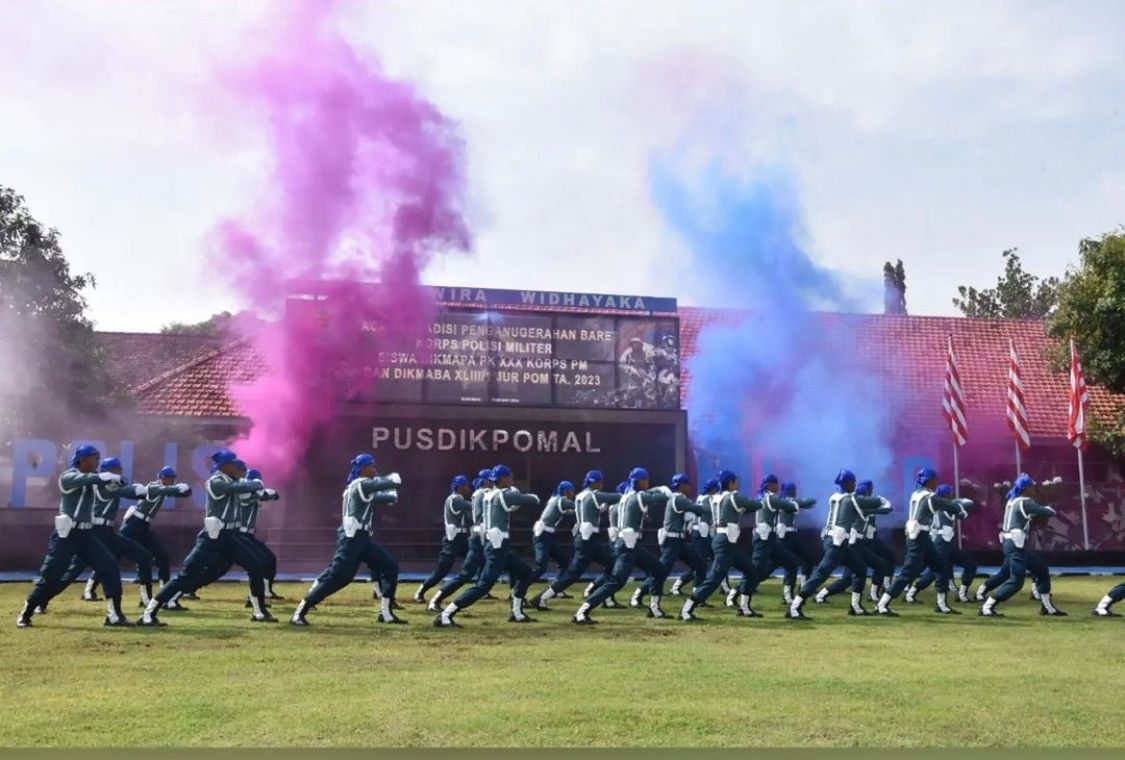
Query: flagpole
x=1019 y=465
x=1082 y=501
x=957 y=485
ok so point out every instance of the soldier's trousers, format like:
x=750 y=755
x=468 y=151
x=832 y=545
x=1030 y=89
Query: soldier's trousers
x=222 y=565
x=624 y=560
x=703 y=548
x=879 y=565
x=546 y=546
x=350 y=553
x=471 y=568
x=954 y=557
x=119 y=546
x=60 y=553
x=769 y=554
x=585 y=552
x=805 y=554
x=1117 y=593
x=920 y=554
x=997 y=580
x=208 y=552
x=140 y=531
x=671 y=551
x=1021 y=562
x=846 y=555
x=450 y=552
x=727 y=555
x=496 y=561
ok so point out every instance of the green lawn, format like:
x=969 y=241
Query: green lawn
x=212 y=678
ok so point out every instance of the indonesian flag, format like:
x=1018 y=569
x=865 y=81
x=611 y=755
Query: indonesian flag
x=953 y=400
x=1017 y=412
x=1079 y=398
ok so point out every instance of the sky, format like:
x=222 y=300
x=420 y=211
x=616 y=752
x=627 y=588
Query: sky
x=940 y=134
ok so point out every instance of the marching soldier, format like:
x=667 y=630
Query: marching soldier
x=140 y=517
x=727 y=509
x=846 y=512
x=700 y=529
x=499 y=503
x=544 y=538
x=863 y=541
x=364 y=489
x=944 y=530
x=920 y=550
x=473 y=565
x=107 y=500
x=674 y=540
x=217 y=541
x=803 y=551
x=457 y=514
x=589 y=504
x=1116 y=594
x=1018 y=514
x=611 y=601
x=74 y=537
x=769 y=552
x=627 y=552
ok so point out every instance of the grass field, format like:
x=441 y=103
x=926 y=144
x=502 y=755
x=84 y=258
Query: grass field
x=212 y=678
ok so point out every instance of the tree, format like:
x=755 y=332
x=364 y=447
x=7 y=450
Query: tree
x=1018 y=294
x=52 y=365
x=223 y=324
x=894 y=288
x=1091 y=310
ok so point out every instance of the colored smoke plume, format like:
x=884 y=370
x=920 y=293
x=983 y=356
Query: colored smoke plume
x=778 y=385
x=366 y=185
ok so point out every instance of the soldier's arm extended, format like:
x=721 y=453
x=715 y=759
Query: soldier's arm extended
x=369 y=486
x=781 y=505
x=219 y=487
x=460 y=504
x=606 y=499
x=746 y=504
x=269 y=494
x=513 y=500
x=957 y=507
x=805 y=503
x=683 y=504
x=872 y=505
x=163 y=490
x=1034 y=509
x=566 y=505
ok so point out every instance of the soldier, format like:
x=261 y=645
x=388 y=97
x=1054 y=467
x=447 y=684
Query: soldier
x=364 y=489
x=920 y=550
x=217 y=541
x=248 y=517
x=140 y=517
x=863 y=541
x=846 y=510
x=802 y=550
x=1018 y=514
x=457 y=514
x=544 y=538
x=499 y=503
x=589 y=504
x=107 y=500
x=726 y=509
x=674 y=540
x=74 y=536
x=700 y=528
x=627 y=553
x=1116 y=594
x=769 y=553
x=944 y=530
x=611 y=601
x=474 y=560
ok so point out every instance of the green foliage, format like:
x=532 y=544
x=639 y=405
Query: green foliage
x=1091 y=310
x=46 y=340
x=1018 y=294
x=216 y=325
x=894 y=288
x=214 y=679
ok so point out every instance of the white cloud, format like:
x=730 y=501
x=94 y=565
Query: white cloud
x=934 y=134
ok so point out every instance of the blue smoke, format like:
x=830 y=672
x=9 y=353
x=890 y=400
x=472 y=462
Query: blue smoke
x=779 y=384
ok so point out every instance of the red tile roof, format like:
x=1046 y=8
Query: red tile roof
x=175 y=375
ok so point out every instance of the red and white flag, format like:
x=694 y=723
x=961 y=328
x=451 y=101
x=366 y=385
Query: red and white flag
x=953 y=400
x=1079 y=398
x=1017 y=412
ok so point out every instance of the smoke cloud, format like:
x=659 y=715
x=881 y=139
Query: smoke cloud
x=366 y=186
x=777 y=384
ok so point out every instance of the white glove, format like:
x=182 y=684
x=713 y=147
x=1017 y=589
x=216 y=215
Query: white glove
x=109 y=477
x=394 y=494
x=535 y=496
x=272 y=493
x=140 y=490
x=183 y=487
x=395 y=478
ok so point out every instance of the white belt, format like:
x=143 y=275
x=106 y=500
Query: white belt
x=548 y=529
x=243 y=530
x=102 y=521
x=461 y=530
x=673 y=535
x=722 y=530
x=139 y=516
x=1008 y=536
x=924 y=528
x=83 y=526
x=231 y=526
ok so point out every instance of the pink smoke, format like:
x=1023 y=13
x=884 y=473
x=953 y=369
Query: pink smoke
x=366 y=187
